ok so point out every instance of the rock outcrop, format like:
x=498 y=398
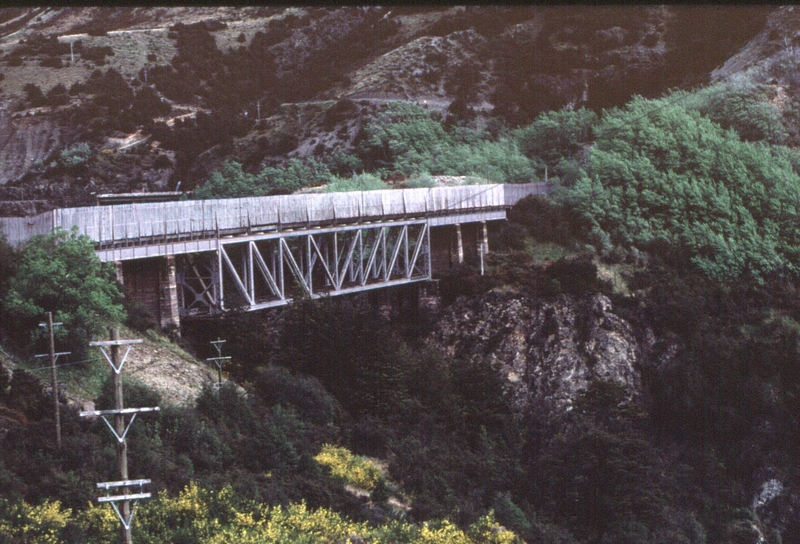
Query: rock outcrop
x=549 y=351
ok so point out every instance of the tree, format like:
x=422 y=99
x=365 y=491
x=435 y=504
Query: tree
x=60 y=273
x=659 y=175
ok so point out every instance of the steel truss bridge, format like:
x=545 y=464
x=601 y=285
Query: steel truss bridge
x=269 y=270
x=201 y=258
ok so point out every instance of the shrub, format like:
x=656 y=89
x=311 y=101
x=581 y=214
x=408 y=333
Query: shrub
x=97 y=54
x=76 y=155
x=743 y=106
x=34 y=95
x=55 y=273
x=25 y=524
x=359 y=182
x=557 y=135
x=661 y=173
x=230 y=181
x=355 y=470
x=57 y=96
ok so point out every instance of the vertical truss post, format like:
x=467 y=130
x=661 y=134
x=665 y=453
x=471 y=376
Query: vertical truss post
x=407 y=271
x=336 y=259
x=221 y=282
x=384 y=230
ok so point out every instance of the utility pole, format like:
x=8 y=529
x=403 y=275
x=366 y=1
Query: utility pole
x=120 y=430
x=219 y=359
x=258 y=107
x=53 y=358
x=119 y=425
x=71 y=53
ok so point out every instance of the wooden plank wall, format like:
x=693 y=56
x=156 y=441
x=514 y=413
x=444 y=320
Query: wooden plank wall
x=194 y=218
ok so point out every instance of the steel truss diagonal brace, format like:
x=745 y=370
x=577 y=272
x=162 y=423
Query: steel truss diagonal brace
x=235 y=275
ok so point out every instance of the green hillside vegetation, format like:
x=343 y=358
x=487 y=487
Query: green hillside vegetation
x=401 y=139
x=695 y=192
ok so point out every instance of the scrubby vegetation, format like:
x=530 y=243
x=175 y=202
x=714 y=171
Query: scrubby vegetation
x=345 y=424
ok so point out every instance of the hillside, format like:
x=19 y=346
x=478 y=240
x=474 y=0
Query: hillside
x=276 y=83
x=622 y=367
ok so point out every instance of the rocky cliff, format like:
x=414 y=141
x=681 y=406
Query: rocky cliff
x=549 y=351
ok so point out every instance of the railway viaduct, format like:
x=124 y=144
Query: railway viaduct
x=200 y=258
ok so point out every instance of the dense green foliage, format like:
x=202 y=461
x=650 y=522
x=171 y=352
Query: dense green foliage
x=60 y=273
x=745 y=107
x=409 y=139
x=231 y=181
x=693 y=192
x=661 y=176
x=556 y=136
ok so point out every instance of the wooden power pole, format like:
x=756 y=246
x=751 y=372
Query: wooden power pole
x=54 y=376
x=120 y=430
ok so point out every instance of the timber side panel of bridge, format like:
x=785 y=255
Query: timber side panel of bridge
x=134 y=231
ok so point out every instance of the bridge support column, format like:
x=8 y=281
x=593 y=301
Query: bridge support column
x=168 y=301
x=459 y=244
x=151 y=283
x=119 y=273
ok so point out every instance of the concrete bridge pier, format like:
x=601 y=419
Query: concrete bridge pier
x=152 y=284
x=454 y=245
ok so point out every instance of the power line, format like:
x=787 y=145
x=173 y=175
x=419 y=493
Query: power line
x=58 y=366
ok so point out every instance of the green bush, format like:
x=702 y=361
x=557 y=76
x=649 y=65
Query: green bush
x=60 y=273
x=743 y=106
x=403 y=134
x=359 y=182
x=659 y=174
x=408 y=139
x=76 y=155
x=557 y=135
x=230 y=181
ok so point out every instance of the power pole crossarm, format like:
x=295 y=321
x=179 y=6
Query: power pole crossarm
x=120 y=430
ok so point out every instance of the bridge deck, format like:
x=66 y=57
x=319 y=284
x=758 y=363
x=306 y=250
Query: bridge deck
x=161 y=228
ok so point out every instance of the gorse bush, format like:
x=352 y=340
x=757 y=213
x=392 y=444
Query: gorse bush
x=204 y=516
x=355 y=470
x=25 y=524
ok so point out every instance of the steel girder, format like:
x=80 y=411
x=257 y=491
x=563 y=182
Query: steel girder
x=271 y=269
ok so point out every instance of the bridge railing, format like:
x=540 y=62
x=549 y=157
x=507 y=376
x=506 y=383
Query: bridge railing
x=153 y=221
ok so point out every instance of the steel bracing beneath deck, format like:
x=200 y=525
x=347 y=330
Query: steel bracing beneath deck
x=271 y=269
